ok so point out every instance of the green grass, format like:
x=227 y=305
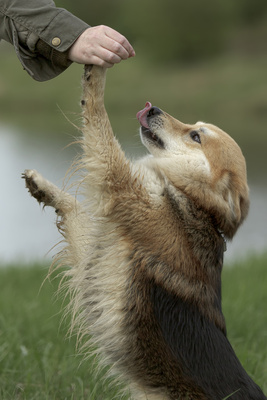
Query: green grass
x=244 y=306
x=37 y=361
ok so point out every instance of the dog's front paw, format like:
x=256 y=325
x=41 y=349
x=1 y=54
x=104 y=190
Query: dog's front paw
x=37 y=186
x=94 y=79
x=87 y=72
x=94 y=72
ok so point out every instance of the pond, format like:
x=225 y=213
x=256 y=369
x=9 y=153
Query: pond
x=28 y=233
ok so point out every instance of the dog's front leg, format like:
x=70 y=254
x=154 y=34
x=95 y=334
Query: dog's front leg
x=74 y=221
x=103 y=157
x=47 y=193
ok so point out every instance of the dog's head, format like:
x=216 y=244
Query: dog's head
x=202 y=161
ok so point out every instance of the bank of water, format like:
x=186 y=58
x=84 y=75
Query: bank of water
x=28 y=233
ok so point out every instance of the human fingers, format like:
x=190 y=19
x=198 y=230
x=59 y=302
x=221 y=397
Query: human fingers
x=103 y=36
x=107 y=56
x=115 y=48
x=95 y=43
x=95 y=60
x=98 y=56
x=119 y=42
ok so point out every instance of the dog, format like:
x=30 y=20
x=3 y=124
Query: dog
x=145 y=251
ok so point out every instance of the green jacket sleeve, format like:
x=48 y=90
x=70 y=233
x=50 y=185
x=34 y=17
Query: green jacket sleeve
x=41 y=34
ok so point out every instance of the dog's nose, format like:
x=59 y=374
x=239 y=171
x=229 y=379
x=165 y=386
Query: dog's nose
x=153 y=112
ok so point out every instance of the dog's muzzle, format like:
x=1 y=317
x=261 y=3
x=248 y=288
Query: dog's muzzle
x=145 y=118
x=147 y=113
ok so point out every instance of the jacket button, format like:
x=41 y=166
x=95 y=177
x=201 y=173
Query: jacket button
x=56 y=41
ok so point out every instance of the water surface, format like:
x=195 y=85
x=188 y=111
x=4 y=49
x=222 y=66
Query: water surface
x=28 y=233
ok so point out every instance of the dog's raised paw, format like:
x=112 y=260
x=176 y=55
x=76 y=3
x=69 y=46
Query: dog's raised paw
x=35 y=183
x=94 y=81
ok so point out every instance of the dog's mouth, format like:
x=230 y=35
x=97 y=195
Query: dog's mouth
x=145 y=117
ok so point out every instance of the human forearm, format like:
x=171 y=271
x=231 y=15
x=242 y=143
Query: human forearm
x=41 y=34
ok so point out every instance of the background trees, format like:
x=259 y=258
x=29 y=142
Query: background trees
x=177 y=30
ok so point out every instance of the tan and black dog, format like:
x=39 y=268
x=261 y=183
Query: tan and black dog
x=145 y=251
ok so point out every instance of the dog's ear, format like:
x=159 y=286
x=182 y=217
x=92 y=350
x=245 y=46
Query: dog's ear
x=236 y=195
x=225 y=196
x=227 y=200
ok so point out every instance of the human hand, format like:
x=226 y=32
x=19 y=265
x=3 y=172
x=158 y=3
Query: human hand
x=100 y=45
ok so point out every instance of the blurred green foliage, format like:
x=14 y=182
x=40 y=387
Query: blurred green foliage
x=169 y=30
x=198 y=60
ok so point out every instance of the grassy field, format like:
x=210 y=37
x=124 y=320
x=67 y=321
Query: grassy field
x=37 y=361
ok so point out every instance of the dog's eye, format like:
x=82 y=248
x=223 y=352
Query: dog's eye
x=195 y=136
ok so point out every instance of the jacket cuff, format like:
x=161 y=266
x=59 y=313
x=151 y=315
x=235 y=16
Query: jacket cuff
x=63 y=30
x=56 y=57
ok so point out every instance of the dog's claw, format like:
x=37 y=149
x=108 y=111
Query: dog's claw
x=87 y=71
x=30 y=177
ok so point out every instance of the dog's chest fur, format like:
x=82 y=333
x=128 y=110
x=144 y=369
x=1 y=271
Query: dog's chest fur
x=131 y=274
